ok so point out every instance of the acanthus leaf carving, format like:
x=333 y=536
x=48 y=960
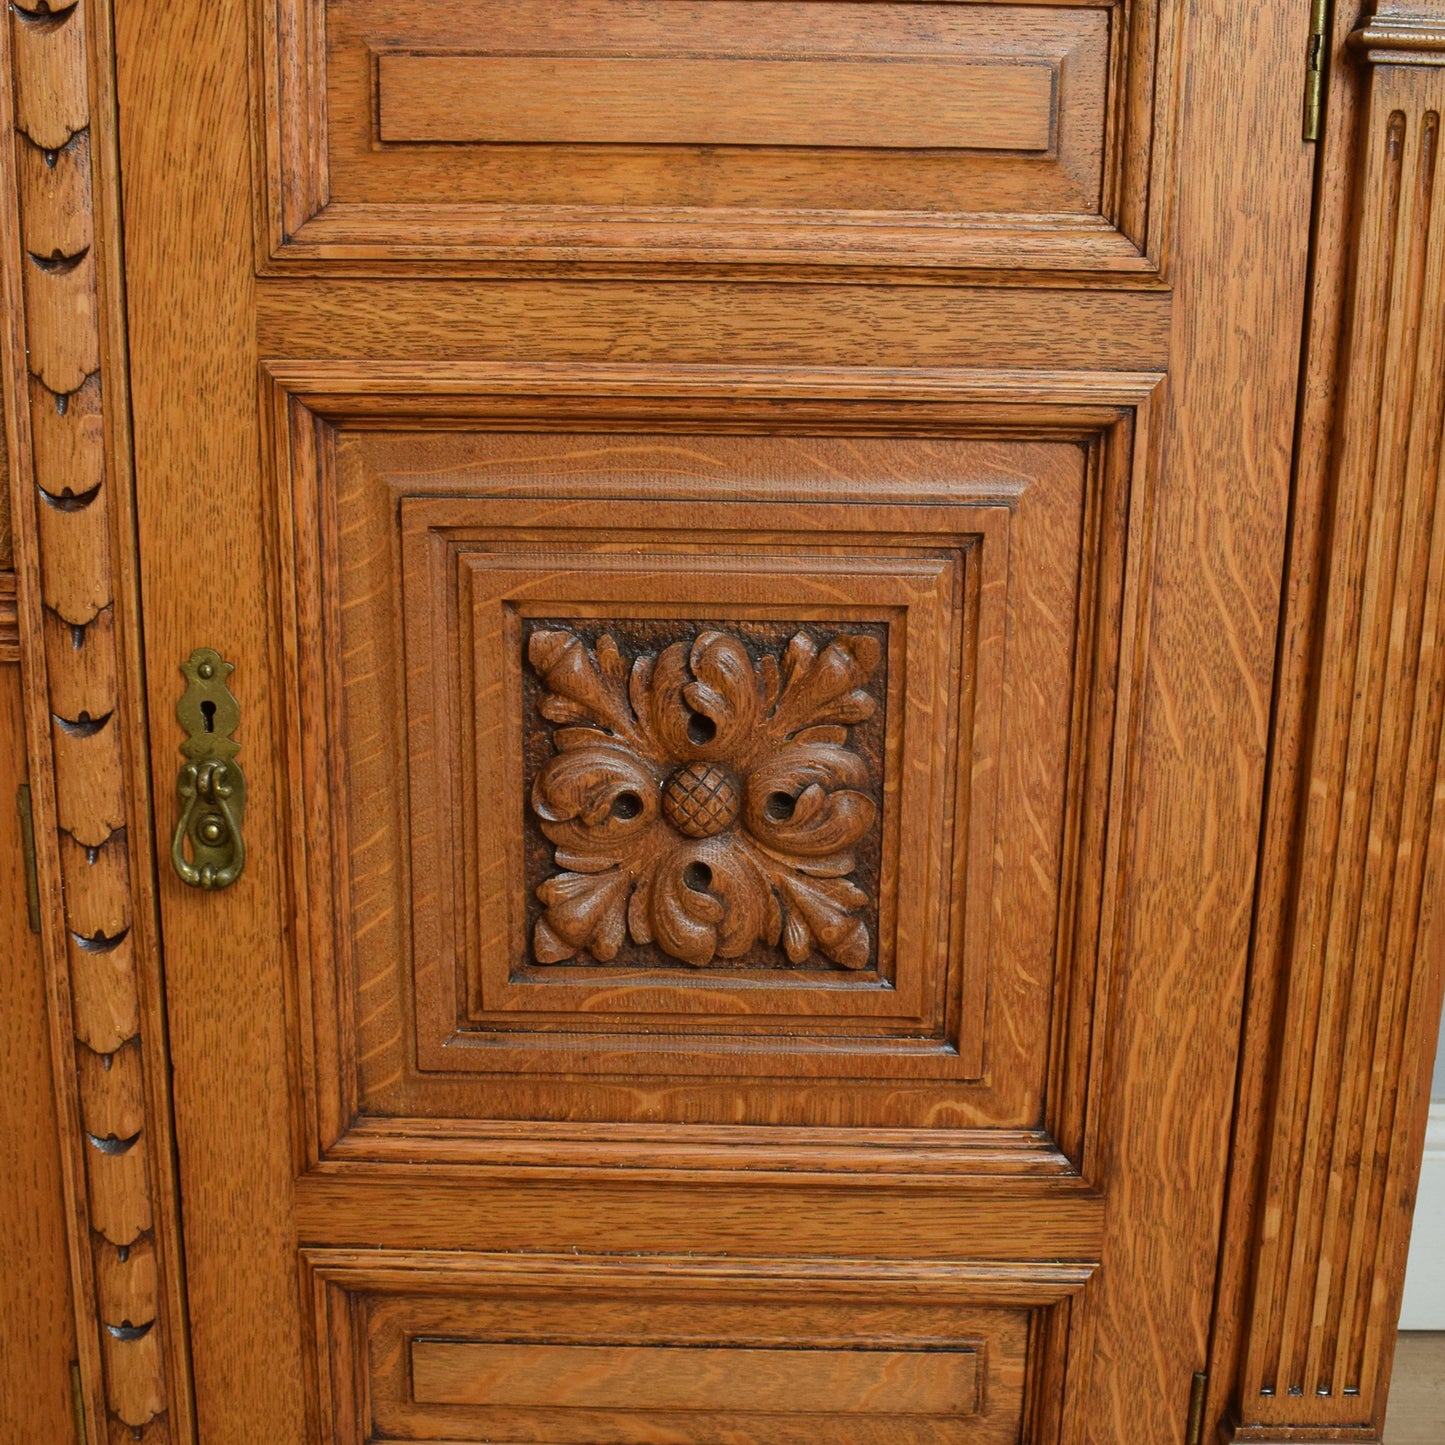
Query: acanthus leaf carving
x=705 y=798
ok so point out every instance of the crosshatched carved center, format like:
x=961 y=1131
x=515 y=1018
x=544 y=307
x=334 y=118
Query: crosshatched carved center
x=701 y=800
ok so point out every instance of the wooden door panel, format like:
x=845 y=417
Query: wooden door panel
x=725 y=132
x=454 y=556
x=497 y=638
x=430 y=1122
x=557 y=1349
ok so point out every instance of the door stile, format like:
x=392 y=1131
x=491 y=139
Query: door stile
x=78 y=612
x=1223 y=456
x=1348 y=961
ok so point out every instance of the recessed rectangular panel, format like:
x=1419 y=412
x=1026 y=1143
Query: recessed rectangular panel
x=689 y=1377
x=633 y=100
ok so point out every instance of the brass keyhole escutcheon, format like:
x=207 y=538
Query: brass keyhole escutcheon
x=208 y=850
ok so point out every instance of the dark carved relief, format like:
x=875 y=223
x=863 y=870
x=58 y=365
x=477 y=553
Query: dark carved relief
x=708 y=795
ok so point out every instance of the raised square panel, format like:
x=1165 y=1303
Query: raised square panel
x=709 y=748
x=705 y=134
x=684 y=776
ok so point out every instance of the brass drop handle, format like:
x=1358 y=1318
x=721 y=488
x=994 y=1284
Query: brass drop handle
x=208 y=849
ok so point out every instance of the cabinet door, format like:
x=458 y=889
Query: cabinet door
x=748 y=535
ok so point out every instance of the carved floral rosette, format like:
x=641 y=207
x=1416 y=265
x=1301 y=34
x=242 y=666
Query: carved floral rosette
x=706 y=799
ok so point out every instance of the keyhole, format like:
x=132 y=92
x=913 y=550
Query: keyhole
x=208 y=712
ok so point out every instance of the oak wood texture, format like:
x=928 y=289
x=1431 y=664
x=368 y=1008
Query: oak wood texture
x=717 y=136
x=763 y=1349
x=70 y=509
x=7 y=541
x=929 y=1022
x=36 y=1319
x=731 y=1379
x=723 y=751
x=9 y=625
x=1349 y=973
x=626 y=397
x=599 y=100
x=1080 y=335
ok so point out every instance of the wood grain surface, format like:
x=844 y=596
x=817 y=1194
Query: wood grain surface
x=9 y=626
x=37 y=1319
x=770 y=1381
x=66 y=440
x=1146 y=527
x=1184 y=919
x=597 y=100
x=833 y=546
x=1349 y=979
x=479 y=384
x=703 y=137
x=7 y=541
x=954 y=1366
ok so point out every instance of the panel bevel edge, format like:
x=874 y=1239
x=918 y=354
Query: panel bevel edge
x=1126 y=244
x=1117 y=410
x=76 y=607
x=765 y=1154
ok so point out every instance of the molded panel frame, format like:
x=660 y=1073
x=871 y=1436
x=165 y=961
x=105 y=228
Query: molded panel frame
x=302 y=225
x=309 y=407
x=1024 y=1322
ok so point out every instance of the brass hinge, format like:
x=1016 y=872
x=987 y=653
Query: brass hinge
x=1315 y=67
x=1194 y=1429
x=27 y=849
x=77 y=1402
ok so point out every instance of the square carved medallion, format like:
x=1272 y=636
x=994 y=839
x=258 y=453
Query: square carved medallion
x=707 y=794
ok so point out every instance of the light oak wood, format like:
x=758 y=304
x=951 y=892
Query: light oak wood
x=68 y=456
x=599 y=408
x=36 y=1318
x=7 y=543
x=956 y=1338
x=503 y=437
x=776 y=1381
x=713 y=398
x=1348 y=976
x=597 y=100
x=699 y=189
x=9 y=622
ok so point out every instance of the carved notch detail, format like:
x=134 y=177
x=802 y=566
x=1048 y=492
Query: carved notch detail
x=708 y=799
x=124 y=1210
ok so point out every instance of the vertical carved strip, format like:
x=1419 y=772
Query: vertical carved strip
x=1360 y=976
x=75 y=650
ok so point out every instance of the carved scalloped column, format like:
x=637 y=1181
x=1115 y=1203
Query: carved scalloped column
x=69 y=595
x=1361 y=952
